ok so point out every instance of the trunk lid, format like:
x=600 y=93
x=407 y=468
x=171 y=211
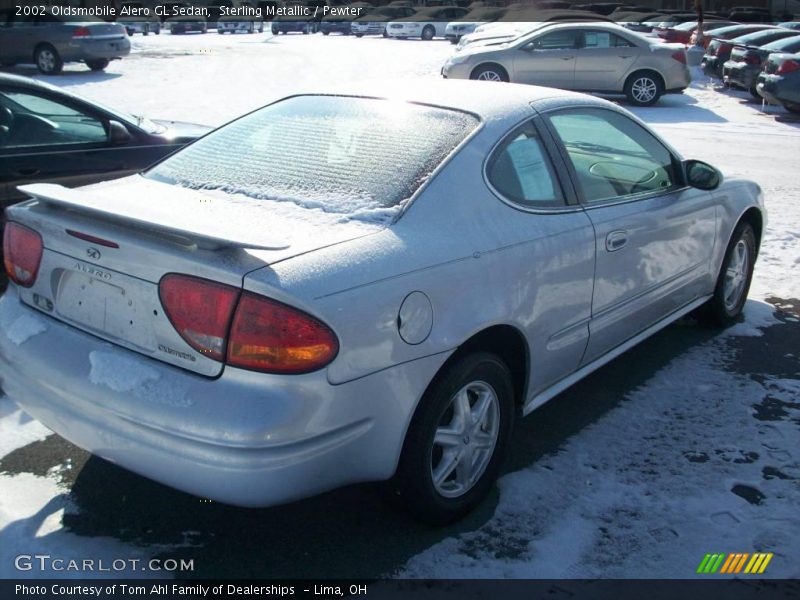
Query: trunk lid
x=107 y=246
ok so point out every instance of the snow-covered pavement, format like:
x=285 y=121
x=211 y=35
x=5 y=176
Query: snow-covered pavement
x=693 y=446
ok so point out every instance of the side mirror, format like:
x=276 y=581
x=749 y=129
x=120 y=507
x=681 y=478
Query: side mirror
x=701 y=175
x=118 y=133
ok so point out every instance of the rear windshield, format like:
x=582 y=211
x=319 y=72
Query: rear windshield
x=361 y=158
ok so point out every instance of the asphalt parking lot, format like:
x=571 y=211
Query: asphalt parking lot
x=692 y=438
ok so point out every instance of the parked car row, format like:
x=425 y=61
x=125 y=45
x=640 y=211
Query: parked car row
x=741 y=56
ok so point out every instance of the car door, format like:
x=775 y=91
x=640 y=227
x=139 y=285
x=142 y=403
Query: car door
x=654 y=236
x=547 y=254
x=603 y=60
x=16 y=38
x=548 y=59
x=54 y=140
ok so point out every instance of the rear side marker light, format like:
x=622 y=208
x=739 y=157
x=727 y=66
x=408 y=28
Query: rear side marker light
x=275 y=338
x=22 y=253
x=788 y=66
x=680 y=56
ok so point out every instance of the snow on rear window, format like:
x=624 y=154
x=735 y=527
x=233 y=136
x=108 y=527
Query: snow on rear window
x=354 y=157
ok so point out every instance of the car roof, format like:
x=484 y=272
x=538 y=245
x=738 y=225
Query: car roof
x=21 y=81
x=489 y=101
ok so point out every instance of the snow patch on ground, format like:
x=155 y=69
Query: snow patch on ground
x=119 y=372
x=31 y=510
x=17 y=428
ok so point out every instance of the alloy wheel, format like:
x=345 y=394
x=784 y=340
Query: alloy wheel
x=489 y=76
x=465 y=439
x=736 y=275
x=644 y=90
x=46 y=60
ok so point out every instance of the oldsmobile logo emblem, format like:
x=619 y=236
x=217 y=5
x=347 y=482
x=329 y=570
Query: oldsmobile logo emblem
x=93 y=253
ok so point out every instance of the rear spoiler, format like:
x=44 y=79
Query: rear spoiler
x=209 y=235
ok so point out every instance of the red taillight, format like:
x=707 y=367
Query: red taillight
x=788 y=66
x=751 y=59
x=252 y=331
x=724 y=48
x=200 y=310
x=81 y=32
x=22 y=253
x=272 y=337
x=680 y=56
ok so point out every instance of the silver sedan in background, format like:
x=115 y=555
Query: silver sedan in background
x=428 y=264
x=51 y=40
x=592 y=57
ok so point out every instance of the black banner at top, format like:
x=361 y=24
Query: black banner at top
x=18 y=12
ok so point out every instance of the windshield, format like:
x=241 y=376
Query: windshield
x=357 y=157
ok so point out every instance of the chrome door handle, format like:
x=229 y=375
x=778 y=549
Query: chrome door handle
x=624 y=56
x=616 y=240
x=567 y=57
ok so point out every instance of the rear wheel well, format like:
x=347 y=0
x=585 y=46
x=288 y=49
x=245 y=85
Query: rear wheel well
x=506 y=342
x=650 y=72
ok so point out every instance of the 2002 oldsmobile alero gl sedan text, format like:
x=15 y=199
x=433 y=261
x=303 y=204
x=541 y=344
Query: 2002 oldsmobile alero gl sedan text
x=361 y=286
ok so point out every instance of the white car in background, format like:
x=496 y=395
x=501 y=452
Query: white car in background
x=426 y=24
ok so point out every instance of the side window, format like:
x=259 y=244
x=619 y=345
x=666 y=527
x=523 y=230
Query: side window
x=604 y=39
x=34 y=120
x=557 y=40
x=613 y=156
x=521 y=171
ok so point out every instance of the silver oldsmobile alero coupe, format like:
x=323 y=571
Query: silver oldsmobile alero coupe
x=361 y=286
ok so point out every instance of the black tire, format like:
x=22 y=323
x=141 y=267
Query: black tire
x=723 y=308
x=428 y=32
x=644 y=88
x=325 y=32
x=275 y=31
x=386 y=35
x=220 y=31
x=439 y=504
x=98 y=64
x=48 y=60
x=490 y=72
x=754 y=93
x=359 y=35
x=792 y=108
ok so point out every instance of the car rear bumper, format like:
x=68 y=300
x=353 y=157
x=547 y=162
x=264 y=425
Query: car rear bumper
x=739 y=74
x=245 y=438
x=371 y=29
x=97 y=49
x=776 y=90
x=404 y=30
